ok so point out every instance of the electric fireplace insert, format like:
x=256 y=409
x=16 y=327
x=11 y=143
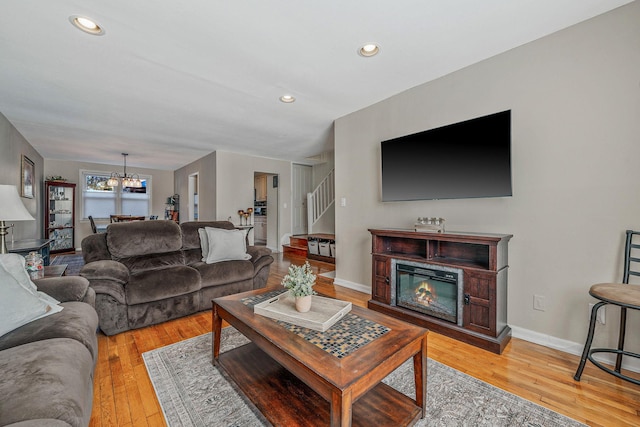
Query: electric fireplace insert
x=433 y=290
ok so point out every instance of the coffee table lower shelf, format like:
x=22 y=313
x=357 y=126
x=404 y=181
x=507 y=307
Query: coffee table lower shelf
x=284 y=400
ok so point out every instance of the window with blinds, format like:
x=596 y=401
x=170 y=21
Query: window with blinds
x=101 y=201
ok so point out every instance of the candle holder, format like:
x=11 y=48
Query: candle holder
x=430 y=225
x=249 y=211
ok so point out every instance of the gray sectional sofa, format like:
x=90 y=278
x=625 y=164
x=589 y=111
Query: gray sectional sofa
x=147 y=272
x=47 y=365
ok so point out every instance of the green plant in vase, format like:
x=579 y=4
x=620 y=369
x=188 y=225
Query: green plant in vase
x=300 y=281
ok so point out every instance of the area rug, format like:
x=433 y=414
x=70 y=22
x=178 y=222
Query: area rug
x=74 y=263
x=192 y=392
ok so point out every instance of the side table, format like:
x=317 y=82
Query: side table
x=23 y=247
x=58 y=270
x=247 y=228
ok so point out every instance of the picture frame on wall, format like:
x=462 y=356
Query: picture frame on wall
x=27 y=177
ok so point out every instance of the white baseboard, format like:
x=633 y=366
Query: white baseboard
x=570 y=347
x=329 y=274
x=545 y=340
x=352 y=285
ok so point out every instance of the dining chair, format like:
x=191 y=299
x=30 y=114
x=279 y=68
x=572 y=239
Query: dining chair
x=93 y=225
x=623 y=295
x=97 y=228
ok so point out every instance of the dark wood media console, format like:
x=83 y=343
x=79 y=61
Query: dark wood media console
x=483 y=260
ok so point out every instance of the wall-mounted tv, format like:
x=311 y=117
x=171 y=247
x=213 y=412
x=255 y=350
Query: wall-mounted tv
x=463 y=160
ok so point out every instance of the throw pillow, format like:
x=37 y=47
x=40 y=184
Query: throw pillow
x=20 y=301
x=204 y=243
x=226 y=245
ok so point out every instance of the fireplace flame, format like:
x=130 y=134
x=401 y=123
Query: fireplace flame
x=425 y=294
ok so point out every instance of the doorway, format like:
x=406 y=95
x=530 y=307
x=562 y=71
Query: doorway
x=193 y=197
x=265 y=210
x=300 y=186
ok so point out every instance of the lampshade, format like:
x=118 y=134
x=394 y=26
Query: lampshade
x=11 y=207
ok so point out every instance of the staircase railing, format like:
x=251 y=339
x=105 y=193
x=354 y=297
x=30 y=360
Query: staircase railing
x=320 y=199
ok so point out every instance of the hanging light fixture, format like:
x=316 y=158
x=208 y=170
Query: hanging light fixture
x=127 y=180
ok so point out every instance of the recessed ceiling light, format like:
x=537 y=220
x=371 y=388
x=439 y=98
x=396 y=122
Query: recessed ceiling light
x=287 y=99
x=369 y=49
x=87 y=25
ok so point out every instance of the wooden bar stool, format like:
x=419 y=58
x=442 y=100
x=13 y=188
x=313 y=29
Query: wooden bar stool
x=623 y=295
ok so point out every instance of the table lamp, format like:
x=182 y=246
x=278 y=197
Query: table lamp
x=11 y=209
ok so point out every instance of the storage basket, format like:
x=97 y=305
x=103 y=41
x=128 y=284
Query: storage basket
x=324 y=249
x=312 y=247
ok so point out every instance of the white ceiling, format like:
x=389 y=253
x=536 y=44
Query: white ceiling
x=172 y=81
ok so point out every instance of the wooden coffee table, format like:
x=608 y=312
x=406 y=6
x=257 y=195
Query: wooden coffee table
x=293 y=381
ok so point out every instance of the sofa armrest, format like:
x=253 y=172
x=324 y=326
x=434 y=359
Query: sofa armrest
x=258 y=252
x=260 y=256
x=66 y=288
x=107 y=277
x=106 y=269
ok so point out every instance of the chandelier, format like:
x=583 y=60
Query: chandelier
x=127 y=180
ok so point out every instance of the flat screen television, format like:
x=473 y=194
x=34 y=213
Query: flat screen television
x=470 y=159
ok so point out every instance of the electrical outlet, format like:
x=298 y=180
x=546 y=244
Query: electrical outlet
x=539 y=303
x=600 y=318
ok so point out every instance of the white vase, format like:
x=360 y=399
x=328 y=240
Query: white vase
x=303 y=304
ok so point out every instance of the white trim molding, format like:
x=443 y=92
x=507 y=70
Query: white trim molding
x=569 y=347
x=545 y=340
x=352 y=285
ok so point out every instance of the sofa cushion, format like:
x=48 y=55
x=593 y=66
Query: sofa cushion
x=46 y=379
x=78 y=321
x=225 y=272
x=204 y=243
x=226 y=245
x=161 y=283
x=137 y=264
x=94 y=248
x=223 y=250
x=20 y=301
x=191 y=244
x=190 y=235
x=154 y=312
x=132 y=239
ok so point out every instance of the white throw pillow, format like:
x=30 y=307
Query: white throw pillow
x=226 y=245
x=20 y=301
x=204 y=243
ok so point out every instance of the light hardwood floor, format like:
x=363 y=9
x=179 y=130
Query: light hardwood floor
x=124 y=396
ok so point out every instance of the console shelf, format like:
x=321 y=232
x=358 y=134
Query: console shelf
x=483 y=260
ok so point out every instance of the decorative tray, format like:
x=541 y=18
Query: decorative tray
x=324 y=313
